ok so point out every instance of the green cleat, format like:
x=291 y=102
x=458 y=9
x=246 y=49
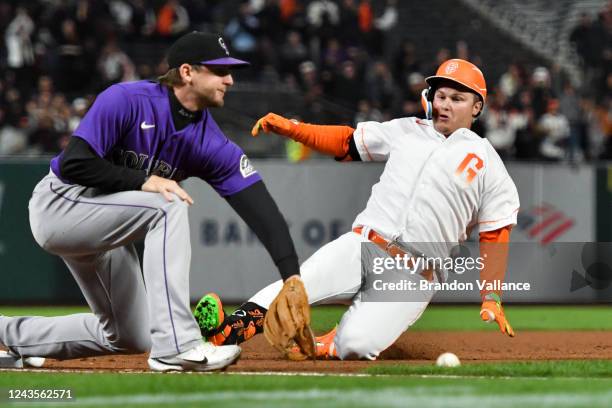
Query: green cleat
x=209 y=314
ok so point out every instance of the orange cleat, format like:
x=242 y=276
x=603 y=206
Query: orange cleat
x=325 y=347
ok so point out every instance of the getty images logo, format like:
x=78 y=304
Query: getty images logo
x=596 y=259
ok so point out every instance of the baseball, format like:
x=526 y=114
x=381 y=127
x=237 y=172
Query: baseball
x=448 y=360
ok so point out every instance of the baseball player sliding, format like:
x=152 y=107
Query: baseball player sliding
x=115 y=184
x=440 y=180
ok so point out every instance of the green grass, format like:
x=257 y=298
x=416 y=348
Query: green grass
x=521 y=317
x=41 y=310
x=436 y=317
x=542 y=369
x=400 y=390
x=522 y=384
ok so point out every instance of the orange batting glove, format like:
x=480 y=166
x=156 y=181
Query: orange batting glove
x=491 y=310
x=327 y=139
x=274 y=123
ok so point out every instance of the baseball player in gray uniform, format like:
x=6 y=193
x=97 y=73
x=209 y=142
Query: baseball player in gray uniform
x=117 y=183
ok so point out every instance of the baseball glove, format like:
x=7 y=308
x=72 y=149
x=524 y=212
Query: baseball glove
x=287 y=323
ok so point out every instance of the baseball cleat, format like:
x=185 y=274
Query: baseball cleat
x=325 y=349
x=209 y=314
x=203 y=357
x=10 y=360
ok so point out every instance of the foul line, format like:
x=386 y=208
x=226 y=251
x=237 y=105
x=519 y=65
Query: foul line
x=295 y=374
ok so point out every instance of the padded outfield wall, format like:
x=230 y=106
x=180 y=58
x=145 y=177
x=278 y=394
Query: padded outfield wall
x=562 y=208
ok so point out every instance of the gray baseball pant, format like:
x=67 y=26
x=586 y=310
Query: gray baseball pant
x=94 y=234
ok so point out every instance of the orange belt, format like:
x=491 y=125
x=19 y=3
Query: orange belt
x=390 y=247
x=387 y=246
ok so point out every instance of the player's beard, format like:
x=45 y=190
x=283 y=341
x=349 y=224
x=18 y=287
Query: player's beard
x=210 y=100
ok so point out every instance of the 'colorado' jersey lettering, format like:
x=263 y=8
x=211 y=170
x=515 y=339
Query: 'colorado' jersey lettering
x=130 y=124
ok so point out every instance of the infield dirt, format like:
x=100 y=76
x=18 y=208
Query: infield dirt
x=418 y=347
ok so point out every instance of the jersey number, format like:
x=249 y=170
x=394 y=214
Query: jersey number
x=469 y=167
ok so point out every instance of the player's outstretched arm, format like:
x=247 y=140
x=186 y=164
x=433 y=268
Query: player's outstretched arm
x=328 y=139
x=494 y=252
x=287 y=322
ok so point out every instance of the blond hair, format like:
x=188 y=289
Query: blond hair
x=173 y=77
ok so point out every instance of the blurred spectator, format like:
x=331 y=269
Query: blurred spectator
x=44 y=139
x=73 y=72
x=442 y=55
x=462 y=51
x=411 y=103
x=593 y=43
x=79 y=108
x=60 y=113
x=541 y=91
x=20 y=53
x=365 y=18
x=381 y=87
x=383 y=26
x=293 y=53
x=511 y=81
x=241 y=31
x=555 y=132
x=405 y=61
x=349 y=21
x=527 y=143
x=269 y=76
x=114 y=65
x=583 y=39
x=601 y=122
x=321 y=12
x=366 y=112
x=13 y=136
x=122 y=13
x=333 y=52
x=288 y=9
x=323 y=17
x=270 y=22
x=570 y=107
x=14 y=105
x=347 y=88
x=40 y=103
x=365 y=15
x=311 y=88
x=502 y=124
x=388 y=18
x=144 y=20
x=333 y=55
x=172 y=19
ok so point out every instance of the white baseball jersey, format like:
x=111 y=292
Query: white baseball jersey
x=433 y=188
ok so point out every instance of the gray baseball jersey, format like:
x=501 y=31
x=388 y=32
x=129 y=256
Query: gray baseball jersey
x=130 y=124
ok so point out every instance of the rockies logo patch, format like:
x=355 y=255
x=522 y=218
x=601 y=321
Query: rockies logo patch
x=246 y=168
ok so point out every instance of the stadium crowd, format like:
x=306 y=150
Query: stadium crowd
x=57 y=54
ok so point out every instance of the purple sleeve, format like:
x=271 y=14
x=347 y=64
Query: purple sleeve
x=229 y=170
x=106 y=120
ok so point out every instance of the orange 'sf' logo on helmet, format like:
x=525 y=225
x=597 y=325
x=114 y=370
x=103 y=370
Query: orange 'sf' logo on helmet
x=463 y=72
x=451 y=67
x=470 y=166
x=457 y=70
